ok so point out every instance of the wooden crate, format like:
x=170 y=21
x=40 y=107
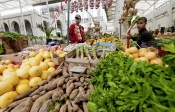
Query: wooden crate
x=79 y=62
x=25 y=42
x=9 y=51
x=71 y=53
x=12 y=58
x=58 y=60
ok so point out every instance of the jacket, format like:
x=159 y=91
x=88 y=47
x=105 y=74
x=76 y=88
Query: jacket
x=144 y=39
x=73 y=36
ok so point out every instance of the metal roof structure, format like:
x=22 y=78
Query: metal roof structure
x=144 y=7
x=13 y=4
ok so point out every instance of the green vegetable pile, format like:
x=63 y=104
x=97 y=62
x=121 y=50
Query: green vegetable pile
x=122 y=85
x=161 y=41
x=1 y=48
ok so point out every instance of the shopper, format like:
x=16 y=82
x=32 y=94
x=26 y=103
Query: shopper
x=76 y=31
x=144 y=39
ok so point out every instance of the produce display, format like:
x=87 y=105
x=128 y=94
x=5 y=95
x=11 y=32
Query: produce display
x=63 y=91
x=17 y=79
x=80 y=5
x=129 y=11
x=122 y=85
x=82 y=52
x=165 y=40
x=143 y=54
x=45 y=47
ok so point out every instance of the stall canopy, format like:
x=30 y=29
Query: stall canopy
x=144 y=7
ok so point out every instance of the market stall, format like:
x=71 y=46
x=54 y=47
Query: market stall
x=102 y=74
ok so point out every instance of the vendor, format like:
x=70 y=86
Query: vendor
x=144 y=39
x=76 y=31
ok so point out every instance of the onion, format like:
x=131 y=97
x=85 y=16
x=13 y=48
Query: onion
x=157 y=61
x=133 y=50
x=143 y=59
x=142 y=53
x=143 y=49
x=150 y=55
x=135 y=55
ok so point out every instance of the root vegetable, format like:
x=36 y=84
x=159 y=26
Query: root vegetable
x=73 y=78
x=51 y=85
x=14 y=104
x=68 y=83
x=27 y=106
x=24 y=106
x=85 y=83
x=54 y=75
x=69 y=106
x=39 y=101
x=45 y=107
x=37 y=91
x=35 y=97
x=63 y=97
x=73 y=94
x=43 y=83
x=57 y=95
x=78 y=84
x=65 y=74
x=63 y=108
x=7 y=110
x=61 y=82
x=42 y=93
x=69 y=89
x=64 y=86
x=57 y=108
x=85 y=109
x=81 y=90
x=25 y=94
x=82 y=79
x=17 y=108
x=76 y=107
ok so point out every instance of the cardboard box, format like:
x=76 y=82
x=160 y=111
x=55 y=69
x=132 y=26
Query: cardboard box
x=12 y=58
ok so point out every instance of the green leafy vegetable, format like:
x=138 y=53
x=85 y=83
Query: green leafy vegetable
x=122 y=85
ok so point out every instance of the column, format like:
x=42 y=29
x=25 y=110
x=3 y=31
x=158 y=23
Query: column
x=153 y=14
x=98 y=14
x=169 y=18
x=23 y=28
x=1 y=23
x=48 y=13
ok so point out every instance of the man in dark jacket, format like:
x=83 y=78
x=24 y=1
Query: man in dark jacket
x=144 y=39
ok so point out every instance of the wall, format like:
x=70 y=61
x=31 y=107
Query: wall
x=161 y=17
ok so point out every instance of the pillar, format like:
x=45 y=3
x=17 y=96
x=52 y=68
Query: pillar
x=48 y=13
x=23 y=28
x=153 y=14
x=169 y=10
x=1 y=23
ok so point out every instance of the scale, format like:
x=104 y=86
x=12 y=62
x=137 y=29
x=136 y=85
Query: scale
x=78 y=69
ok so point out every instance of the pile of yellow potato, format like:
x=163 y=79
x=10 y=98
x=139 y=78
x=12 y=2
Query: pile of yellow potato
x=17 y=79
x=143 y=54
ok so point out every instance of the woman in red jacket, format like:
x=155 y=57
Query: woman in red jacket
x=76 y=31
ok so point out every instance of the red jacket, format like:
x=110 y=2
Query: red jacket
x=73 y=36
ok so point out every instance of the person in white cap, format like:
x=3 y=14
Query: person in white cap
x=76 y=31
